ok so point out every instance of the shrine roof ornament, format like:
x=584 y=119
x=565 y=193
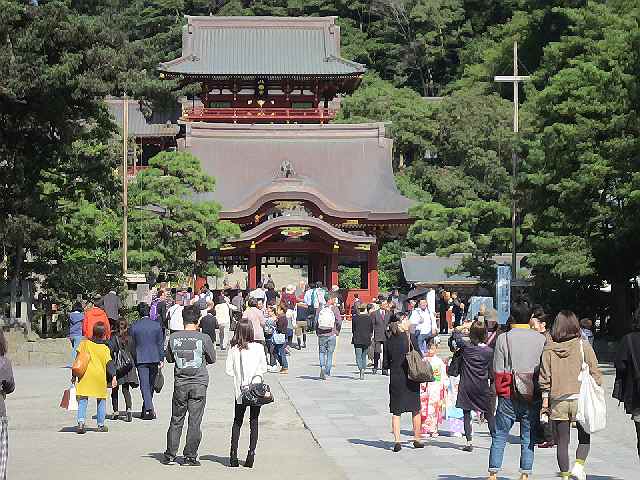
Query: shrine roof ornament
x=261 y=46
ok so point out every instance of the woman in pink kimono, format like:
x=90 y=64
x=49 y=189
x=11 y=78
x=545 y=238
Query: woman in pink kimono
x=433 y=394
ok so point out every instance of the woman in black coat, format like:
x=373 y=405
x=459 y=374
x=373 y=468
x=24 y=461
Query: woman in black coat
x=627 y=386
x=404 y=394
x=121 y=340
x=362 y=329
x=474 y=390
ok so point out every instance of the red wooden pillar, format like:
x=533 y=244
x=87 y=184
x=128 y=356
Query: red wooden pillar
x=202 y=255
x=373 y=271
x=253 y=268
x=333 y=275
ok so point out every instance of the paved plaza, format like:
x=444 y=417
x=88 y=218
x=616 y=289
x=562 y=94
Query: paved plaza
x=347 y=434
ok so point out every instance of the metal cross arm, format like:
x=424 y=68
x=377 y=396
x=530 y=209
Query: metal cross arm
x=511 y=78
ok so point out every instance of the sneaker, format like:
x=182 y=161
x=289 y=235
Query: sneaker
x=103 y=428
x=115 y=416
x=190 y=462
x=80 y=430
x=467 y=448
x=169 y=459
x=397 y=447
x=578 y=472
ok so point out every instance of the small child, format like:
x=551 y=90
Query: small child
x=433 y=394
x=585 y=328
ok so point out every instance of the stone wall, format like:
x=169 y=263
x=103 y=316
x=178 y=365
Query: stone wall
x=33 y=351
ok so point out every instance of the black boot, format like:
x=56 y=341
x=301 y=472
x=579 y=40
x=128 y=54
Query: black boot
x=251 y=456
x=233 y=458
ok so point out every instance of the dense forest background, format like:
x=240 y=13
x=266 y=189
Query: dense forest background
x=578 y=181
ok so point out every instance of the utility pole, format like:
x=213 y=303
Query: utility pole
x=125 y=181
x=515 y=79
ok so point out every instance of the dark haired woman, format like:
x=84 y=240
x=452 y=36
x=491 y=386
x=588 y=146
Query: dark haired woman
x=362 y=329
x=94 y=381
x=404 y=394
x=474 y=391
x=627 y=386
x=76 y=317
x=561 y=366
x=122 y=341
x=7 y=386
x=246 y=360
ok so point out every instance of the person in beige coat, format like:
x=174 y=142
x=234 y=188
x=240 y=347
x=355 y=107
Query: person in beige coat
x=561 y=366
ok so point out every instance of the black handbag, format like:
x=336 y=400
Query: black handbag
x=159 y=382
x=123 y=361
x=254 y=394
x=455 y=364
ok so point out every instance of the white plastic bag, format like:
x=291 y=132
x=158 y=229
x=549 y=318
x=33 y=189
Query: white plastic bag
x=592 y=407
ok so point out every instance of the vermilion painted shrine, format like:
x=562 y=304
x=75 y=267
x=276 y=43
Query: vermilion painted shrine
x=317 y=193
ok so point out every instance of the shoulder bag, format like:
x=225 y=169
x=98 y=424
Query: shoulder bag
x=455 y=364
x=123 y=360
x=592 y=406
x=80 y=364
x=522 y=385
x=254 y=394
x=418 y=370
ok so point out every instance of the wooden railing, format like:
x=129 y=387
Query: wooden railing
x=259 y=115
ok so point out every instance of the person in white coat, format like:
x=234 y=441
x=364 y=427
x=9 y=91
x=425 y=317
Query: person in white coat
x=245 y=361
x=223 y=316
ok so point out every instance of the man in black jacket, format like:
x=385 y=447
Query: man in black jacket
x=380 y=319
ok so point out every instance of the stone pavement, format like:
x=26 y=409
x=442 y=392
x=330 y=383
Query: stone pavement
x=43 y=445
x=350 y=420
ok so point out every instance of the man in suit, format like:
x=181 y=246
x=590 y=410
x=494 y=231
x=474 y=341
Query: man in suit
x=148 y=339
x=380 y=319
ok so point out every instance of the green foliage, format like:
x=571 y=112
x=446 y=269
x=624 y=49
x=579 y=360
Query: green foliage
x=170 y=215
x=348 y=277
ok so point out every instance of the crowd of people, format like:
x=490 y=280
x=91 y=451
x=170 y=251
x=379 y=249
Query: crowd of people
x=526 y=371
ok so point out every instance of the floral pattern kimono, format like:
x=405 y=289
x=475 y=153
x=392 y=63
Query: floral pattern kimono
x=433 y=397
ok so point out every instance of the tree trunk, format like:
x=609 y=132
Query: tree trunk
x=621 y=313
x=15 y=279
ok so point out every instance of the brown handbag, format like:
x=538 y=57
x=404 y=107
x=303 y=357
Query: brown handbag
x=80 y=364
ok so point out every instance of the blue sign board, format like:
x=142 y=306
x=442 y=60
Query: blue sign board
x=503 y=293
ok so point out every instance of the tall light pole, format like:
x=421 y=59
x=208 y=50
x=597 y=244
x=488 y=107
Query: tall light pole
x=125 y=181
x=515 y=79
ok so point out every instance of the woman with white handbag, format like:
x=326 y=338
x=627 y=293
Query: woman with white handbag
x=569 y=366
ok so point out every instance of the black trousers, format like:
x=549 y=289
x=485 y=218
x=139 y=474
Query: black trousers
x=254 y=413
x=126 y=393
x=468 y=430
x=563 y=436
x=638 y=435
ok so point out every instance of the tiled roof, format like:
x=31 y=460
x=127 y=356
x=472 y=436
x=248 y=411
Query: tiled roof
x=139 y=125
x=269 y=46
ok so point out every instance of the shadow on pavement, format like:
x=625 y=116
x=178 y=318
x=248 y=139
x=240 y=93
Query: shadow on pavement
x=224 y=461
x=382 y=444
x=156 y=456
x=458 y=477
x=74 y=428
x=308 y=377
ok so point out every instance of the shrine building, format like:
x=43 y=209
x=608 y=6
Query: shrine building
x=303 y=190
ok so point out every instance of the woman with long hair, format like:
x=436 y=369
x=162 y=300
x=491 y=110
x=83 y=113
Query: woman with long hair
x=245 y=361
x=127 y=380
x=561 y=365
x=474 y=390
x=627 y=386
x=404 y=393
x=7 y=386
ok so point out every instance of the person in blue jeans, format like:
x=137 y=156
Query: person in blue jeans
x=517 y=351
x=280 y=339
x=327 y=329
x=76 y=317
